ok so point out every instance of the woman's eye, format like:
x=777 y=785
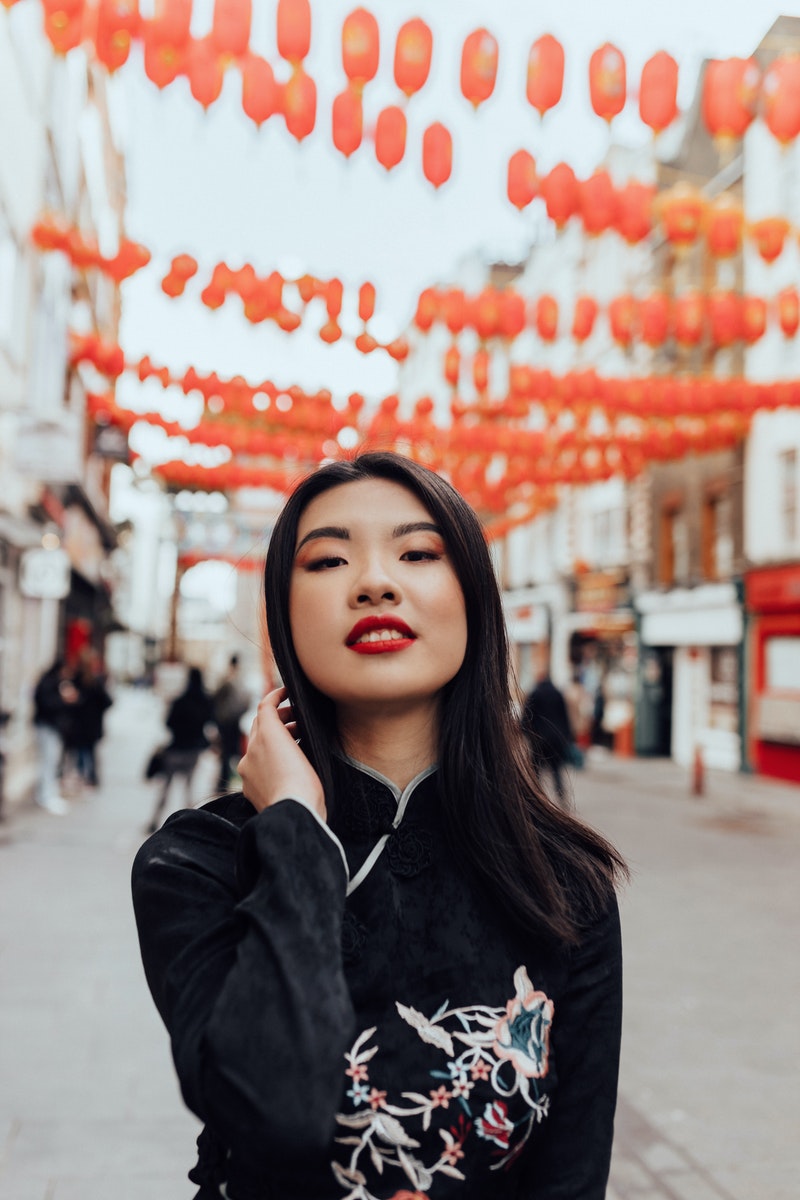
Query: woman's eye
x=323 y=564
x=420 y=556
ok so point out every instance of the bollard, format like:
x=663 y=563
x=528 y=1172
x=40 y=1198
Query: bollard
x=698 y=772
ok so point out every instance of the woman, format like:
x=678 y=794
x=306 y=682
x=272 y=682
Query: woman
x=391 y=967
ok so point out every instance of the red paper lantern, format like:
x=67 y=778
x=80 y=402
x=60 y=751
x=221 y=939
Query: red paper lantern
x=300 y=104
x=681 y=210
x=366 y=301
x=485 y=313
x=523 y=182
x=348 y=120
x=230 y=27
x=261 y=95
x=634 y=219
x=454 y=306
x=658 y=91
x=427 y=309
x=623 y=314
x=584 y=317
x=753 y=318
x=163 y=62
x=390 y=136
x=480 y=369
x=437 y=154
x=546 y=318
x=607 y=84
x=512 y=314
x=412 y=56
x=63 y=23
x=780 y=91
x=769 y=236
x=724 y=317
x=545 y=79
x=294 y=30
x=561 y=195
x=598 y=202
x=479 y=66
x=730 y=95
x=724 y=226
x=205 y=71
x=788 y=303
x=117 y=23
x=360 y=46
x=452 y=365
x=655 y=318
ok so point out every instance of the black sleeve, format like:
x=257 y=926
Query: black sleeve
x=571 y=1158
x=240 y=936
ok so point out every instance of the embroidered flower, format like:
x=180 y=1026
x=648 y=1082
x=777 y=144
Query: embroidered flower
x=357 y=1072
x=523 y=1035
x=409 y=850
x=480 y=1069
x=359 y=1094
x=494 y=1125
x=441 y=1097
x=461 y=1086
x=406 y=1195
x=376 y=1099
x=452 y=1151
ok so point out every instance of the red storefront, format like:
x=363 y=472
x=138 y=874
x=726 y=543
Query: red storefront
x=773 y=721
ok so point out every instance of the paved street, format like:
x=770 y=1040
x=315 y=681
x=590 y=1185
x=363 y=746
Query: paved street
x=89 y=1109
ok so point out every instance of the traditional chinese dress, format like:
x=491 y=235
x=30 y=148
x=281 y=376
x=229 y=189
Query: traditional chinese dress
x=354 y=1017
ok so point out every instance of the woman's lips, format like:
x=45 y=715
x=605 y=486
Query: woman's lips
x=379 y=635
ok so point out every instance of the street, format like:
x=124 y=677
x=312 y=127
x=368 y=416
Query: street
x=89 y=1107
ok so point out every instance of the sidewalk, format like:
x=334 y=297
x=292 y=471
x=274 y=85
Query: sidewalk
x=89 y=1107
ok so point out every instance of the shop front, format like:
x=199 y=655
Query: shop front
x=688 y=693
x=529 y=614
x=772 y=597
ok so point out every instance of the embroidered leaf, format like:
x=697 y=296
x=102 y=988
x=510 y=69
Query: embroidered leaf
x=366 y=1055
x=426 y=1120
x=440 y=1011
x=377 y=1161
x=363 y=1037
x=347 y=1175
x=410 y=1166
x=355 y=1120
x=392 y=1131
x=348 y=1141
x=432 y=1034
x=453 y=1172
x=420 y=1099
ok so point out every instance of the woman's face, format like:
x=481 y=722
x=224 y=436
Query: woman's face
x=376 y=611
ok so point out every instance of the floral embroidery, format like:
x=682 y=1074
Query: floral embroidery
x=508 y=1048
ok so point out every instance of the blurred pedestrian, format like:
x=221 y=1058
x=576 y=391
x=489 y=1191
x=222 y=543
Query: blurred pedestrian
x=54 y=698
x=86 y=727
x=546 y=724
x=231 y=701
x=188 y=719
x=392 y=917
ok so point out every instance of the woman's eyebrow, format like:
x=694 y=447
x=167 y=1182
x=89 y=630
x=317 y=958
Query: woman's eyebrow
x=325 y=531
x=416 y=527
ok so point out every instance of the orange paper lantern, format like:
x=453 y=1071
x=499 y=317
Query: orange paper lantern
x=437 y=154
x=753 y=319
x=681 y=210
x=598 y=202
x=655 y=318
x=780 y=91
x=559 y=189
x=117 y=22
x=63 y=23
x=230 y=27
x=658 y=91
x=390 y=136
x=294 y=30
x=546 y=318
x=607 y=84
x=205 y=70
x=623 y=314
x=724 y=226
x=261 y=96
x=730 y=95
x=788 y=304
x=479 y=66
x=412 y=56
x=584 y=317
x=523 y=182
x=545 y=78
x=300 y=104
x=634 y=218
x=348 y=120
x=769 y=236
x=360 y=46
x=724 y=317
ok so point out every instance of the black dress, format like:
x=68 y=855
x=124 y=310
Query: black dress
x=352 y=1017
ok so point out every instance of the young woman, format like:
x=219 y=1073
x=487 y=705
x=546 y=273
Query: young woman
x=391 y=968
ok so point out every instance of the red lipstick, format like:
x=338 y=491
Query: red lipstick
x=380 y=646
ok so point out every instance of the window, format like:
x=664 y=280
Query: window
x=717 y=534
x=787 y=482
x=782 y=664
x=673 y=559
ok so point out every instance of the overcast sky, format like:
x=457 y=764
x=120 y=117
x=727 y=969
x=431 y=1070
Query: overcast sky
x=214 y=186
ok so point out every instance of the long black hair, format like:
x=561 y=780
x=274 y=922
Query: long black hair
x=548 y=870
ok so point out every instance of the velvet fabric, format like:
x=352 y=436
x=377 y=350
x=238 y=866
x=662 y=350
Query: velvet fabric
x=406 y=1037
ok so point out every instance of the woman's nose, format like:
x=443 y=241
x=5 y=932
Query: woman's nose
x=374 y=584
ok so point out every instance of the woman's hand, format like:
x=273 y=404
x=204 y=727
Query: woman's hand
x=274 y=767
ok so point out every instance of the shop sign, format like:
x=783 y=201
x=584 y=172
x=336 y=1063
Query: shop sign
x=777 y=719
x=111 y=442
x=49 y=449
x=44 y=574
x=602 y=591
x=774 y=589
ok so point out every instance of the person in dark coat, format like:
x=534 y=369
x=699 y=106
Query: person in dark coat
x=187 y=719
x=231 y=701
x=53 y=701
x=546 y=724
x=86 y=726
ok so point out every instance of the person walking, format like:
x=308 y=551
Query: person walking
x=546 y=724
x=53 y=700
x=230 y=702
x=188 y=717
x=390 y=966
x=89 y=713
